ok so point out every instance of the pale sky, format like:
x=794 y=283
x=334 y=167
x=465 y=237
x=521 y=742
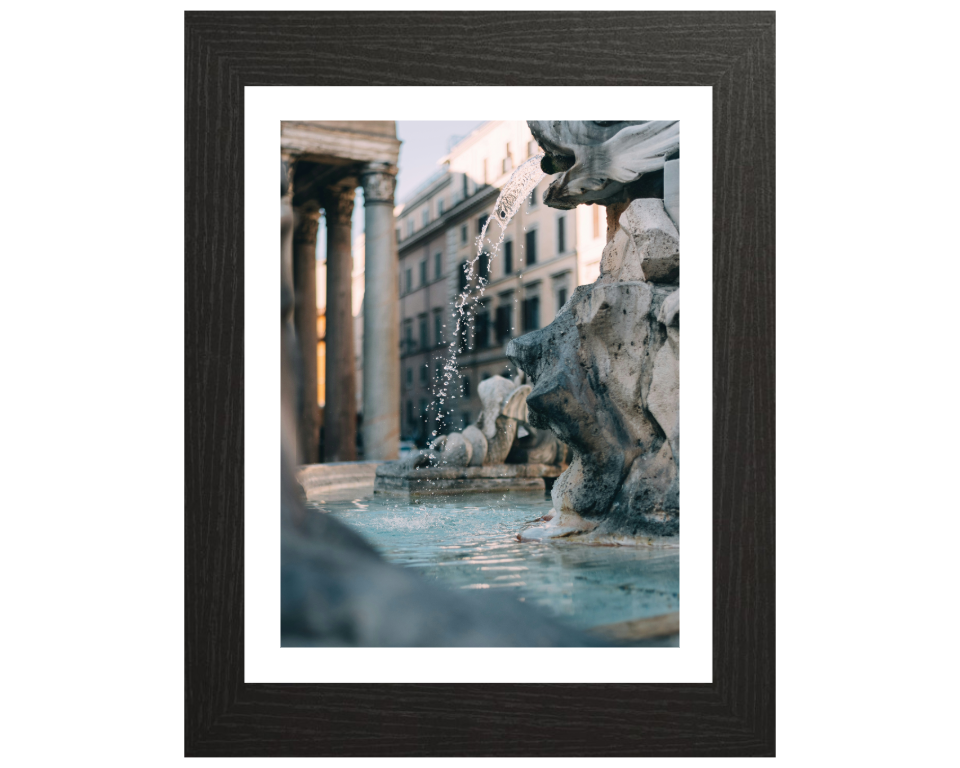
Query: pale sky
x=424 y=143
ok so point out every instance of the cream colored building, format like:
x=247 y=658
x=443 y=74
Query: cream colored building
x=546 y=253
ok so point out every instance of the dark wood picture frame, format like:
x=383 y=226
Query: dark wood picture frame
x=732 y=52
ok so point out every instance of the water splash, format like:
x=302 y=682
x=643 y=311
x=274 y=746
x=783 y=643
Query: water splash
x=517 y=189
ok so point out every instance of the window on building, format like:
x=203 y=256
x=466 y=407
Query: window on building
x=508 y=160
x=466 y=418
x=481 y=334
x=425 y=216
x=398 y=234
x=485 y=375
x=466 y=386
x=440 y=207
x=531 y=314
x=561 y=234
x=532 y=148
x=534 y=200
x=531 y=249
x=508 y=257
x=596 y=221
x=481 y=221
x=424 y=373
x=462 y=284
x=561 y=298
x=424 y=341
x=423 y=409
x=504 y=322
x=408 y=275
x=437 y=328
x=410 y=412
x=437 y=265
x=463 y=233
x=485 y=175
x=407 y=336
x=423 y=272
x=409 y=226
x=409 y=377
x=466 y=190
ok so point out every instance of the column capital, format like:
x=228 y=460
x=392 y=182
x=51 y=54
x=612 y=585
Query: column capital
x=337 y=202
x=379 y=181
x=307 y=218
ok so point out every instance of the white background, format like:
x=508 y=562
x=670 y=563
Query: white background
x=91 y=316
x=264 y=660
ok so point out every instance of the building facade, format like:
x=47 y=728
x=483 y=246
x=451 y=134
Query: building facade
x=544 y=255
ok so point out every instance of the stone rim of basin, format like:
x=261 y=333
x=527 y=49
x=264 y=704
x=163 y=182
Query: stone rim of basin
x=571 y=527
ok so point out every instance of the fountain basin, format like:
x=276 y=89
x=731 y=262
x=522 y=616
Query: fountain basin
x=468 y=541
x=320 y=479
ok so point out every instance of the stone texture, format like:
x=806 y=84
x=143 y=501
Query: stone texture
x=605 y=162
x=605 y=379
x=663 y=399
x=493 y=440
x=646 y=247
x=381 y=316
x=538 y=446
x=457 y=451
x=394 y=477
x=478 y=445
x=317 y=479
x=512 y=411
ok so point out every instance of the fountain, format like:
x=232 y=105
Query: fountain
x=500 y=451
x=592 y=417
x=605 y=372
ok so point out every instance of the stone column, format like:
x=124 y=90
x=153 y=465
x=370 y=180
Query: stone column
x=305 y=319
x=381 y=316
x=288 y=378
x=340 y=410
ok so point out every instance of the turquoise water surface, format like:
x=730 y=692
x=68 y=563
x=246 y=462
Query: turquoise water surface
x=469 y=541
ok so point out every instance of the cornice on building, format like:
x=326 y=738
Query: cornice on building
x=453 y=216
x=346 y=142
x=429 y=188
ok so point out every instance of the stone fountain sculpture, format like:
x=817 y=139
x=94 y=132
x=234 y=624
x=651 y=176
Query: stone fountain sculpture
x=336 y=590
x=605 y=372
x=500 y=451
x=610 y=162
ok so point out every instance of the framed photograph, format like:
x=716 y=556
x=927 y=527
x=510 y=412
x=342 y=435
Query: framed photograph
x=512 y=622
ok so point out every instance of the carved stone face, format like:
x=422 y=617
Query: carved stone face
x=596 y=160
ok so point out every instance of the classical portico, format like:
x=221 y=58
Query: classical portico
x=328 y=160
